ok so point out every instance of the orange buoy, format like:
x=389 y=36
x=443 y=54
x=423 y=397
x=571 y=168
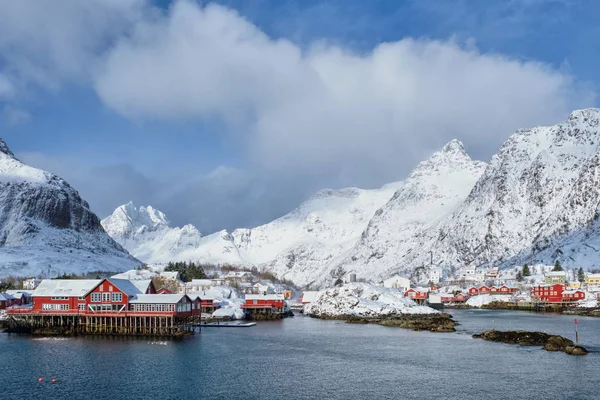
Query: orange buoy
x=41 y=380
x=53 y=380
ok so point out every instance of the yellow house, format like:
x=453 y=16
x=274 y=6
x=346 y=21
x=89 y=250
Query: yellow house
x=556 y=277
x=574 y=285
x=592 y=279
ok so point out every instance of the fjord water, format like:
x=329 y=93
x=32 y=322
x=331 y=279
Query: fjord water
x=305 y=358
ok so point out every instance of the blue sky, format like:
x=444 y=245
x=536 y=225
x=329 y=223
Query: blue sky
x=229 y=115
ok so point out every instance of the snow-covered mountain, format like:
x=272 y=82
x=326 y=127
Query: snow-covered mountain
x=146 y=233
x=400 y=229
x=538 y=197
x=334 y=231
x=47 y=229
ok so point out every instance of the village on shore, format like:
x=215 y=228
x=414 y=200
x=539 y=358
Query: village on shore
x=152 y=301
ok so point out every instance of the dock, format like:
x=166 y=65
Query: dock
x=228 y=324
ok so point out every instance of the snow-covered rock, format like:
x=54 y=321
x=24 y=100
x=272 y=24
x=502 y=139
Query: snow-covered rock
x=363 y=300
x=485 y=299
x=47 y=229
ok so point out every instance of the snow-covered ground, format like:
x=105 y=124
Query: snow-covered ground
x=484 y=299
x=363 y=300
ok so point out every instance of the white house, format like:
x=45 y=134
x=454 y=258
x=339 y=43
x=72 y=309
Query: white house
x=170 y=275
x=397 y=282
x=262 y=288
x=470 y=274
x=30 y=284
x=435 y=275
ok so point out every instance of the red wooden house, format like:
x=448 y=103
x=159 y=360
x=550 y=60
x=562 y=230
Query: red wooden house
x=550 y=293
x=573 y=295
x=447 y=298
x=269 y=303
x=483 y=289
x=65 y=296
x=6 y=300
x=503 y=290
x=110 y=295
x=180 y=305
x=473 y=291
x=419 y=295
x=460 y=298
x=163 y=290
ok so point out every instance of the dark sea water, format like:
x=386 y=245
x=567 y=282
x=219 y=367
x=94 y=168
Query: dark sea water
x=304 y=358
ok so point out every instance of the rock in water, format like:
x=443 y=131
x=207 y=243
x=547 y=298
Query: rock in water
x=526 y=338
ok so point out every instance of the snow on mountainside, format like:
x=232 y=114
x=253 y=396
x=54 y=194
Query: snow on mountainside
x=146 y=233
x=538 y=192
x=321 y=228
x=434 y=189
x=47 y=229
x=538 y=197
x=334 y=229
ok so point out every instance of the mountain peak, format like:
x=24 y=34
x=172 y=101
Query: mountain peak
x=454 y=146
x=591 y=116
x=4 y=149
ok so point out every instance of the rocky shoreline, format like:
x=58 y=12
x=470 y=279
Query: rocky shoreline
x=417 y=322
x=527 y=338
x=500 y=305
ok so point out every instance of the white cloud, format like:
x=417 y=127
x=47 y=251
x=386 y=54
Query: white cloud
x=48 y=42
x=308 y=118
x=328 y=111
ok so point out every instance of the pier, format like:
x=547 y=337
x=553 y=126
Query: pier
x=124 y=324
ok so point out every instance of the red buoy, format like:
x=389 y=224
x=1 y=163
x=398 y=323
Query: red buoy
x=53 y=380
x=41 y=380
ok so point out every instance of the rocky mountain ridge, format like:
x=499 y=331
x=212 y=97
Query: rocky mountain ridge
x=537 y=198
x=47 y=229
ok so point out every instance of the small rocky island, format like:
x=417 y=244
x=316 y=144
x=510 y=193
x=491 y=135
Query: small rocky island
x=526 y=338
x=362 y=303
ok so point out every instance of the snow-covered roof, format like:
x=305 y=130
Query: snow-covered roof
x=200 y=282
x=556 y=273
x=65 y=287
x=142 y=284
x=5 y=297
x=572 y=291
x=170 y=274
x=157 y=298
x=126 y=286
x=264 y=297
x=593 y=276
x=17 y=291
x=419 y=289
x=16 y=294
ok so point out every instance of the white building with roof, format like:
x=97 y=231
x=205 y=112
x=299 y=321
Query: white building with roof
x=170 y=275
x=397 y=282
x=30 y=284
